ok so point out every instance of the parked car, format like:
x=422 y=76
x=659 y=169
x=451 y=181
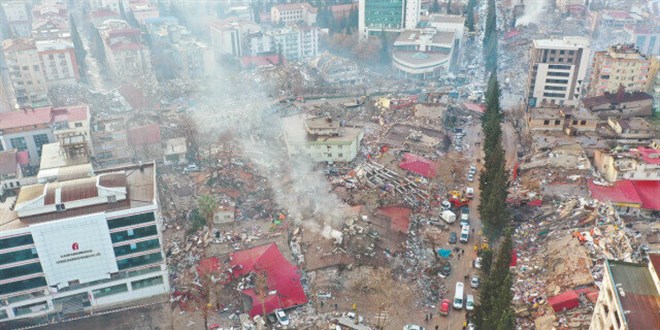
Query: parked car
x=470 y=177
x=444 y=307
x=477 y=263
x=446 y=269
x=474 y=282
x=465 y=234
x=469 y=192
x=191 y=168
x=446 y=205
x=469 y=302
x=465 y=213
x=412 y=327
x=453 y=237
x=473 y=170
x=282 y=318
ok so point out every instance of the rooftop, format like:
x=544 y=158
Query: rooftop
x=614 y=98
x=41 y=116
x=53 y=157
x=8 y=163
x=15 y=45
x=294 y=131
x=294 y=6
x=545 y=112
x=442 y=18
x=37 y=201
x=570 y=43
x=639 y=297
x=429 y=37
x=176 y=146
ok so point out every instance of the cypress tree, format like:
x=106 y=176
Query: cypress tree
x=122 y=11
x=469 y=15
x=78 y=47
x=490 y=38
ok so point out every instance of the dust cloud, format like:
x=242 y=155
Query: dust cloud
x=533 y=11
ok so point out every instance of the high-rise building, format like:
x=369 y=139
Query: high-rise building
x=26 y=73
x=557 y=71
x=620 y=66
x=377 y=16
x=58 y=60
x=80 y=243
x=19 y=20
x=629 y=296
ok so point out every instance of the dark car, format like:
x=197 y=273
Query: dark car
x=446 y=269
x=453 y=237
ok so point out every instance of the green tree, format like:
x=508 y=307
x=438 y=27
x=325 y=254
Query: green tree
x=493 y=181
x=435 y=6
x=78 y=47
x=469 y=15
x=494 y=309
x=207 y=205
x=122 y=10
x=490 y=37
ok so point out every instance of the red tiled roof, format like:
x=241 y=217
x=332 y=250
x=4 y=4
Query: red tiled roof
x=144 y=135
x=418 y=164
x=73 y=113
x=15 y=119
x=104 y=13
x=281 y=276
x=134 y=96
x=649 y=193
x=399 y=217
x=475 y=107
x=620 y=192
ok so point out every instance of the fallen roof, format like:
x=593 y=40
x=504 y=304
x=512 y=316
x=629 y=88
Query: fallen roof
x=143 y=135
x=619 y=192
x=639 y=297
x=282 y=277
x=649 y=193
x=418 y=164
x=399 y=217
x=612 y=98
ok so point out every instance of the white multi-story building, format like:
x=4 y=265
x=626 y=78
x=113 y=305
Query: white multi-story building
x=296 y=42
x=557 y=71
x=227 y=36
x=125 y=54
x=82 y=243
x=293 y=13
x=629 y=296
x=18 y=17
x=641 y=164
x=26 y=73
x=58 y=60
x=321 y=139
x=144 y=11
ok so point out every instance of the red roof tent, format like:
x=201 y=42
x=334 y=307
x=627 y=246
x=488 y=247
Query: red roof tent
x=399 y=217
x=283 y=277
x=649 y=193
x=418 y=164
x=620 y=192
x=650 y=156
x=565 y=301
x=143 y=135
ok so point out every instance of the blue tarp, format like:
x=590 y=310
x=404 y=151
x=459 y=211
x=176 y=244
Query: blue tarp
x=444 y=253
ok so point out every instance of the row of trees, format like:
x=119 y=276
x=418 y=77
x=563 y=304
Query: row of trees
x=494 y=310
x=327 y=20
x=469 y=14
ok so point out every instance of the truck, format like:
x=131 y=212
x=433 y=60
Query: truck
x=448 y=216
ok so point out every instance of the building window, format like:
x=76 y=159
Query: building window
x=110 y=291
x=22 y=285
x=137 y=247
x=136 y=233
x=139 y=261
x=147 y=282
x=557 y=122
x=39 y=141
x=16 y=256
x=11 y=242
x=78 y=125
x=583 y=122
x=340 y=155
x=546 y=122
x=18 y=271
x=18 y=143
x=131 y=220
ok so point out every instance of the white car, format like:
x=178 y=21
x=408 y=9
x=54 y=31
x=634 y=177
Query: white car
x=470 y=177
x=477 y=263
x=282 y=318
x=474 y=282
x=412 y=327
x=473 y=169
x=469 y=302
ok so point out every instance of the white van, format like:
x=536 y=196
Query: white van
x=448 y=216
x=458 y=296
x=465 y=234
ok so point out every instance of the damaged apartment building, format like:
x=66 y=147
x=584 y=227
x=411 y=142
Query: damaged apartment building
x=321 y=139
